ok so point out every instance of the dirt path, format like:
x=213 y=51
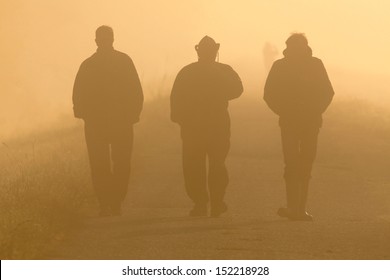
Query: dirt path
x=349 y=196
x=348 y=224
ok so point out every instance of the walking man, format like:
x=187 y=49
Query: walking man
x=299 y=91
x=199 y=104
x=107 y=95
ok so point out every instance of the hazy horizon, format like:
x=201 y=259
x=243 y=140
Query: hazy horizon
x=65 y=191
x=44 y=43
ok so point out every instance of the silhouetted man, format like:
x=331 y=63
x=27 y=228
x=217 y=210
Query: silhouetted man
x=107 y=95
x=199 y=104
x=299 y=91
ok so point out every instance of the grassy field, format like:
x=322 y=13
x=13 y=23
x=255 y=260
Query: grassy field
x=46 y=195
x=43 y=183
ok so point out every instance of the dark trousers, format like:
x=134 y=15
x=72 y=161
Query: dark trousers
x=202 y=186
x=299 y=150
x=109 y=151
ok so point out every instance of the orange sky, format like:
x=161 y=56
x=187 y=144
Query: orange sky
x=159 y=35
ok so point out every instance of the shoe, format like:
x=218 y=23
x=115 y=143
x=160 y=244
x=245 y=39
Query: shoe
x=283 y=212
x=116 y=210
x=217 y=211
x=105 y=212
x=199 y=210
x=304 y=216
x=287 y=213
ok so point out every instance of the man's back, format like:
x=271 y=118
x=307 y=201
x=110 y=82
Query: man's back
x=107 y=95
x=107 y=89
x=298 y=90
x=201 y=93
x=199 y=102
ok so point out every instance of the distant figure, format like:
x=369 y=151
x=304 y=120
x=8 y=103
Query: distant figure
x=299 y=91
x=107 y=95
x=269 y=54
x=199 y=104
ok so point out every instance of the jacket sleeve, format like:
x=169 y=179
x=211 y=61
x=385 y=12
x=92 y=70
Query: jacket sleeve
x=137 y=96
x=234 y=87
x=324 y=87
x=177 y=98
x=272 y=90
x=79 y=92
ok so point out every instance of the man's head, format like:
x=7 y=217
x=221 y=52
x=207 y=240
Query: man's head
x=297 y=40
x=297 y=47
x=207 y=49
x=104 y=37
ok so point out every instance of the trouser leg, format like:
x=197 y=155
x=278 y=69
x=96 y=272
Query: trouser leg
x=308 y=151
x=99 y=160
x=194 y=169
x=218 y=178
x=291 y=154
x=121 y=150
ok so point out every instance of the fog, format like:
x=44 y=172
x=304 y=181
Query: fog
x=44 y=42
x=46 y=193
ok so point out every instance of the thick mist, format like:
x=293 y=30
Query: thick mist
x=44 y=42
x=50 y=167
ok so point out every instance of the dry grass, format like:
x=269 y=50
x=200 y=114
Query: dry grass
x=43 y=185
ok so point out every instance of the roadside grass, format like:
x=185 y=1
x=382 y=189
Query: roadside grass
x=43 y=185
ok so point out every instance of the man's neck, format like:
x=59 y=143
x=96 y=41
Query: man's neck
x=105 y=49
x=206 y=61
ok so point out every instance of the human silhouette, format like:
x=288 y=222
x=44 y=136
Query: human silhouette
x=299 y=91
x=199 y=104
x=107 y=95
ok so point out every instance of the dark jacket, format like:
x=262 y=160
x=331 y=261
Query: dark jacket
x=298 y=89
x=107 y=89
x=200 y=95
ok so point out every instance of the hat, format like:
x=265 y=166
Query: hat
x=207 y=43
x=297 y=40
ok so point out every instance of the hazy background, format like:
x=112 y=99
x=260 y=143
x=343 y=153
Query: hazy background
x=44 y=172
x=43 y=43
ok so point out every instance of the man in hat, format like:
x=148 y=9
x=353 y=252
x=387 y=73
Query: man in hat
x=107 y=95
x=299 y=91
x=199 y=104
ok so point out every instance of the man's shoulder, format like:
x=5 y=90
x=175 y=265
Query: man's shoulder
x=280 y=62
x=116 y=54
x=188 y=68
x=279 y=65
x=122 y=55
x=89 y=60
x=316 y=61
x=284 y=62
x=223 y=66
x=226 y=69
x=122 y=58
